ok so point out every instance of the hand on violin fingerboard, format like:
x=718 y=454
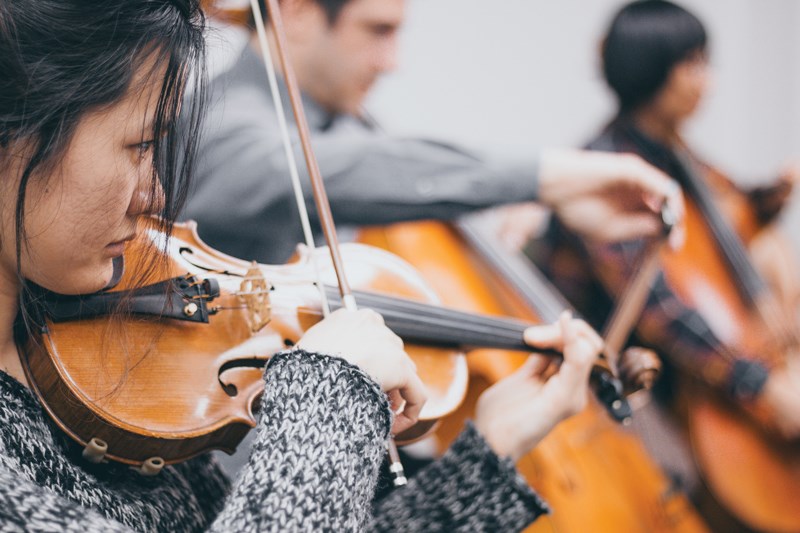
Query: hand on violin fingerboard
x=516 y=413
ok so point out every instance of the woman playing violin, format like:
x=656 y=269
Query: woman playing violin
x=89 y=96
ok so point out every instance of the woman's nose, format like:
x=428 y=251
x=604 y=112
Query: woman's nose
x=148 y=198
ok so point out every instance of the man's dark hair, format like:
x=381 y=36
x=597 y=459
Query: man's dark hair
x=332 y=8
x=645 y=41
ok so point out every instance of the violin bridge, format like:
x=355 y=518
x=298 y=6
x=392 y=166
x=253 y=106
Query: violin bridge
x=254 y=293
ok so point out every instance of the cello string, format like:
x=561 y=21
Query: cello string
x=753 y=285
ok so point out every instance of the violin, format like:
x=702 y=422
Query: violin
x=597 y=475
x=168 y=363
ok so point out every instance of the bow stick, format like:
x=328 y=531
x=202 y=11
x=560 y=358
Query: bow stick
x=317 y=185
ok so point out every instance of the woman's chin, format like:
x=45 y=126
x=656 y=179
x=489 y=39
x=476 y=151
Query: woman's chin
x=83 y=283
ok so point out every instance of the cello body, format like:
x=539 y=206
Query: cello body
x=749 y=470
x=595 y=475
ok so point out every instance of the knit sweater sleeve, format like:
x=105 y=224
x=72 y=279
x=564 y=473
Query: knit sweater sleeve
x=314 y=465
x=320 y=442
x=26 y=506
x=469 y=489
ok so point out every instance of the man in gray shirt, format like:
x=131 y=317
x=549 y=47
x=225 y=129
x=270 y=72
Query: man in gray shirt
x=243 y=198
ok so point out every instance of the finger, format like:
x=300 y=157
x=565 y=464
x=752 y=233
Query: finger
x=676 y=208
x=415 y=397
x=411 y=364
x=396 y=401
x=677 y=237
x=544 y=336
x=535 y=365
x=579 y=355
x=589 y=334
x=566 y=326
x=676 y=203
x=672 y=200
x=371 y=316
x=661 y=192
x=551 y=370
x=624 y=226
x=650 y=180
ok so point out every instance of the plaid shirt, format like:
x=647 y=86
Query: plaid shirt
x=589 y=274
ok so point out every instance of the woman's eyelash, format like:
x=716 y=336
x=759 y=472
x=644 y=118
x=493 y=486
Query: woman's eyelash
x=144 y=146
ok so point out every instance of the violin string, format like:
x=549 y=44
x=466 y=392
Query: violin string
x=288 y=149
x=451 y=332
x=381 y=302
x=390 y=303
x=410 y=313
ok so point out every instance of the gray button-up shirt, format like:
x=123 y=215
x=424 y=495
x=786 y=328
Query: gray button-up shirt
x=242 y=197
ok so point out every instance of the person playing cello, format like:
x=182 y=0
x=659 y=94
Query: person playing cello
x=655 y=60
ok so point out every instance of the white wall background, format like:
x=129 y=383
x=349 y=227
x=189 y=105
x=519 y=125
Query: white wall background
x=513 y=75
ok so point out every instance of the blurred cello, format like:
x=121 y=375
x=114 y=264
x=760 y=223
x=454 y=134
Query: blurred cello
x=750 y=471
x=596 y=476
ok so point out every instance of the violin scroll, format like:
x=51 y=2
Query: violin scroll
x=638 y=368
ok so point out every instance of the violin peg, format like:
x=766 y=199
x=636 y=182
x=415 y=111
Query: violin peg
x=95 y=450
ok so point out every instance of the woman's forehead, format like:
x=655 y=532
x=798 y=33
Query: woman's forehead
x=136 y=110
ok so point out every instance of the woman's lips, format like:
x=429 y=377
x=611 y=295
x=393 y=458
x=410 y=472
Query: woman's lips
x=116 y=249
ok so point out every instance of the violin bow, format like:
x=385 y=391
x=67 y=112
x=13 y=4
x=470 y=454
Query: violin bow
x=317 y=184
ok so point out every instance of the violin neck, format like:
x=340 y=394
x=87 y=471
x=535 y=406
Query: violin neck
x=439 y=326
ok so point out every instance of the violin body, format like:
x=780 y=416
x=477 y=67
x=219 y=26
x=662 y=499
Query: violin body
x=596 y=475
x=165 y=387
x=751 y=472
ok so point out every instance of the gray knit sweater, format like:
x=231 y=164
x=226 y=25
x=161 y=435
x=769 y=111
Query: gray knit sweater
x=313 y=467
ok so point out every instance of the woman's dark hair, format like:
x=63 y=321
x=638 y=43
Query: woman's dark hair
x=645 y=40
x=62 y=59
